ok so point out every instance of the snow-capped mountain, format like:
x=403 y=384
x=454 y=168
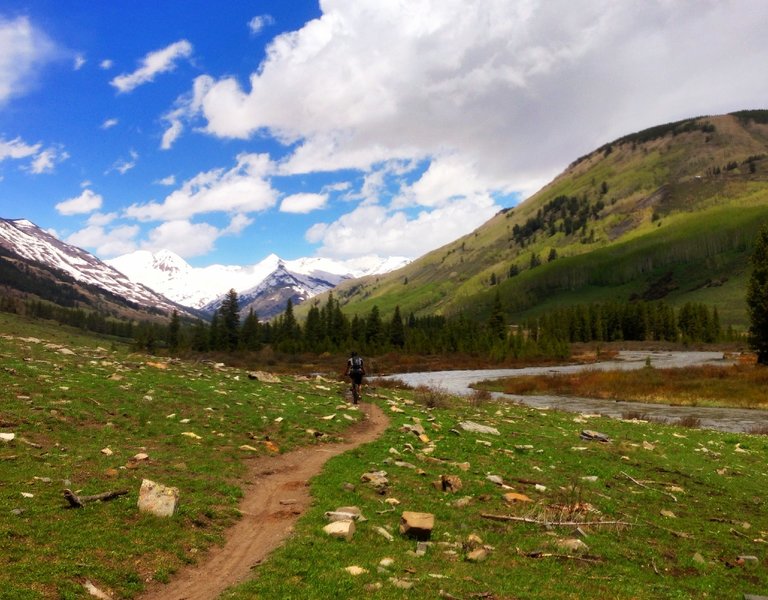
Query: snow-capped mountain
x=264 y=286
x=32 y=243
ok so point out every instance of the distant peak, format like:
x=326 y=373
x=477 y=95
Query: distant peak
x=23 y=223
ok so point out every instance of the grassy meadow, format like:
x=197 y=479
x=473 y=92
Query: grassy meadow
x=658 y=511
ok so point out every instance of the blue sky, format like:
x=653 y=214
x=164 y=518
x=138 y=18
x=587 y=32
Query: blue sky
x=341 y=128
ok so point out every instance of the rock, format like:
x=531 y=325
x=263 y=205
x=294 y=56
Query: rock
x=7 y=437
x=572 y=545
x=140 y=456
x=698 y=558
x=375 y=478
x=402 y=584
x=596 y=436
x=417 y=525
x=512 y=497
x=754 y=597
x=421 y=548
x=248 y=448
x=158 y=499
x=473 y=427
x=749 y=560
x=263 y=377
x=668 y=513
x=355 y=570
x=107 y=452
x=392 y=501
x=473 y=541
x=386 y=562
x=405 y=465
x=345 y=513
x=384 y=533
x=449 y=483
x=477 y=555
x=463 y=502
x=495 y=479
x=341 y=529
x=96 y=592
x=191 y=434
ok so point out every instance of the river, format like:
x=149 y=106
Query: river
x=723 y=419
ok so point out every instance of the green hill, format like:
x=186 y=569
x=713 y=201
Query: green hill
x=667 y=213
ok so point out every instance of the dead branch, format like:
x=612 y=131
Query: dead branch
x=636 y=482
x=539 y=554
x=555 y=523
x=76 y=501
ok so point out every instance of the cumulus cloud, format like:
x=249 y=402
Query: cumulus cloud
x=170 y=180
x=186 y=238
x=106 y=243
x=16 y=149
x=257 y=24
x=516 y=88
x=154 y=63
x=46 y=160
x=86 y=202
x=241 y=189
x=79 y=62
x=23 y=49
x=106 y=64
x=303 y=203
x=123 y=165
x=395 y=233
x=109 y=123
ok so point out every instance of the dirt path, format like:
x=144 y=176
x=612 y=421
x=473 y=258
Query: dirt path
x=277 y=495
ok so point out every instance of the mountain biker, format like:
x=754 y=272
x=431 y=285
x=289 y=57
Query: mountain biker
x=355 y=371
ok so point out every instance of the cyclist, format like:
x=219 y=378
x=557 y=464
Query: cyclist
x=355 y=371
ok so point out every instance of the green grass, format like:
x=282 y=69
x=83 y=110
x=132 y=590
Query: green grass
x=712 y=483
x=71 y=407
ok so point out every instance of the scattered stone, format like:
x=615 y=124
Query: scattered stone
x=96 y=592
x=754 y=597
x=748 y=559
x=141 y=456
x=477 y=555
x=27 y=495
x=348 y=487
x=386 y=562
x=392 y=501
x=579 y=532
x=417 y=525
x=421 y=548
x=512 y=497
x=329 y=417
x=448 y=483
x=590 y=478
x=7 y=437
x=355 y=570
x=271 y=446
x=668 y=513
x=473 y=427
x=463 y=502
x=158 y=499
x=263 y=377
x=107 y=451
x=17 y=511
x=341 y=529
x=596 y=436
x=573 y=545
x=345 y=513
x=375 y=478
x=384 y=533
x=248 y=448
x=191 y=434
x=405 y=465
x=648 y=446
x=402 y=584
x=473 y=541
x=373 y=587
x=540 y=488
x=698 y=558
x=495 y=479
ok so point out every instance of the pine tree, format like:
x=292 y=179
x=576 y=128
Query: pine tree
x=173 y=332
x=757 y=298
x=250 y=333
x=230 y=321
x=396 y=329
x=496 y=323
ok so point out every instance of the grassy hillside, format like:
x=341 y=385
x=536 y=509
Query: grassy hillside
x=668 y=213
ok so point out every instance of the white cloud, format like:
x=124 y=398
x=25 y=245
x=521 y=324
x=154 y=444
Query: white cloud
x=17 y=149
x=185 y=238
x=170 y=180
x=45 y=161
x=517 y=89
x=86 y=202
x=109 y=123
x=101 y=219
x=237 y=224
x=372 y=229
x=303 y=203
x=257 y=24
x=242 y=189
x=123 y=165
x=106 y=64
x=23 y=49
x=154 y=63
x=106 y=243
x=79 y=62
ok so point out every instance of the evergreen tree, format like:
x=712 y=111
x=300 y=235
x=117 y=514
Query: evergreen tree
x=230 y=321
x=496 y=323
x=374 y=329
x=757 y=298
x=250 y=333
x=173 y=332
x=289 y=332
x=200 y=337
x=314 y=333
x=396 y=329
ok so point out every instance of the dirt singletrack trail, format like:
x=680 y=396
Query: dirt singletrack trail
x=275 y=497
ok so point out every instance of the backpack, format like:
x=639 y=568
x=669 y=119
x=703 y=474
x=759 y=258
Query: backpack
x=356 y=363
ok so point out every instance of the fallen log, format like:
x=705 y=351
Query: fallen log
x=76 y=501
x=546 y=522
